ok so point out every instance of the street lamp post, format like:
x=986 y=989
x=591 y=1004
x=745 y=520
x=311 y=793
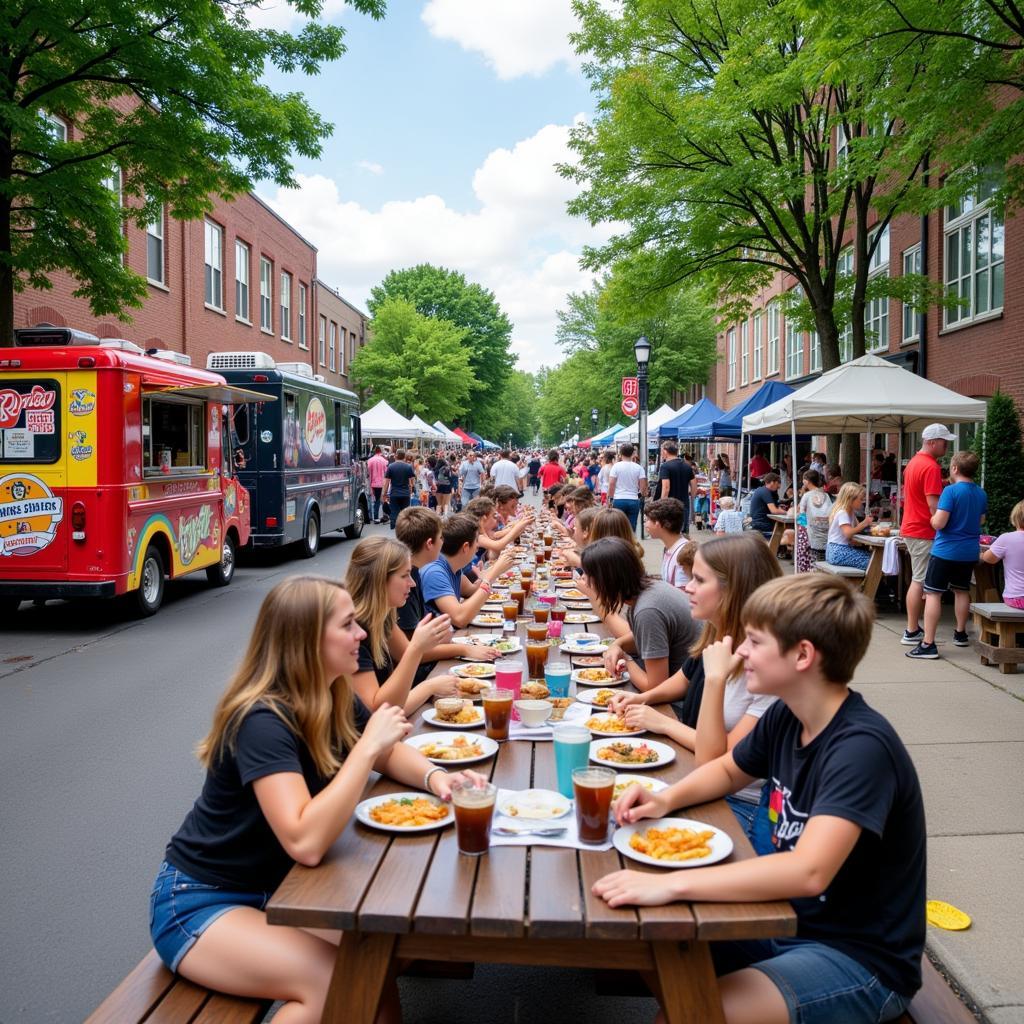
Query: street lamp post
x=642 y=351
x=577 y=430
x=593 y=419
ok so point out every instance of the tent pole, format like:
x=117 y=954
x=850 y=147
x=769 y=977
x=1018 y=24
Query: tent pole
x=899 y=478
x=867 y=470
x=792 y=480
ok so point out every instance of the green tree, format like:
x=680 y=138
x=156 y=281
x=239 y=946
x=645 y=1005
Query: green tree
x=999 y=445
x=417 y=364
x=446 y=294
x=167 y=92
x=517 y=414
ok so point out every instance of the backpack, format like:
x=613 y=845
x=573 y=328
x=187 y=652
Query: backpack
x=443 y=474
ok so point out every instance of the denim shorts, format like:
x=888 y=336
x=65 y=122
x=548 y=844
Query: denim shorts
x=819 y=984
x=181 y=908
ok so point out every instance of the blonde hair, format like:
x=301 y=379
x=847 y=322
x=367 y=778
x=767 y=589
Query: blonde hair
x=612 y=522
x=1017 y=516
x=283 y=670
x=585 y=520
x=848 y=496
x=373 y=561
x=727 y=501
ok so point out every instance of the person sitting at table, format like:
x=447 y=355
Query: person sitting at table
x=658 y=626
x=843 y=527
x=812 y=534
x=833 y=480
x=490 y=540
x=1008 y=548
x=712 y=714
x=763 y=504
x=287 y=758
x=581 y=529
x=847 y=817
x=730 y=519
x=506 y=505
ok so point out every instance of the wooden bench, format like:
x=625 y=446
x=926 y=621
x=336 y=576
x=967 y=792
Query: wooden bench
x=999 y=629
x=151 y=992
x=935 y=1002
x=840 y=570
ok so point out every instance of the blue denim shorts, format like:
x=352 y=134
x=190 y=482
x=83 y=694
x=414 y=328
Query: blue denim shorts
x=181 y=908
x=820 y=984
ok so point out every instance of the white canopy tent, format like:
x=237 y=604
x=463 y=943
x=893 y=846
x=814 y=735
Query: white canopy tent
x=449 y=435
x=654 y=420
x=426 y=430
x=868 y=394
x=382 y=421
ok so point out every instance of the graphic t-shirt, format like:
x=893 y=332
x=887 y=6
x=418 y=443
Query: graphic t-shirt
x=225 y=840
x=678 y=474
x=922 y=477
x=857 y=769
x=1010 y=548
x=957 y=541
x=551 y=473
x=438 y=580
x=400 y=474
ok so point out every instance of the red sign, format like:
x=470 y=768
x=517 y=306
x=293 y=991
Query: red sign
x=13 y=403
x=630 y=389
x=630 y=407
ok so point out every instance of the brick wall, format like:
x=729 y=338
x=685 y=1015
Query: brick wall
x=344 y=330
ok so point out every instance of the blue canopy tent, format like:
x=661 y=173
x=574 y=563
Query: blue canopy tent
x=606 y=437
x=476 y=437
x=489 y=446
x=730 y=425
x=692 y=424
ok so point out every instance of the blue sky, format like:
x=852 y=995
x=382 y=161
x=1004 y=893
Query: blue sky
x=449 y=116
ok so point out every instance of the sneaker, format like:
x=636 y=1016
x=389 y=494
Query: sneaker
x=923 y=650
x=912 y=639
x=961 y=639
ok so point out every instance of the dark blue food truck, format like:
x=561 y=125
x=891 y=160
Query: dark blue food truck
x=298 y=457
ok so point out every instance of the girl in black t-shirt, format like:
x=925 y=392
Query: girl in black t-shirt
x=287 y=759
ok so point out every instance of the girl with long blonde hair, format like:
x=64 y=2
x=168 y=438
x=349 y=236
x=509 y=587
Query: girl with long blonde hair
x=287 y=759
x=843 y=527
x=380 y=579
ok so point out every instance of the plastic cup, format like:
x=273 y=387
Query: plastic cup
x=554 y=630
x=557 y=675
x=536 y=631
x=474 y=811
x=558 y=613
x=592 y=792
x=519 y=596
x=572 y=750
x=509 y=676
x=541 y=613
x=536 y=656
x=498 y=712
x=510 y=609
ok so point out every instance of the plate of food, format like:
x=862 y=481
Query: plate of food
x=589 y=661
x=610 y=725
x=572 y=593
x=505 y=644
x=563 y=574
x=597 y=677
x=478 y=670
x=474 y=689
x=578 y=606
x=444 y=748
x=595 y=698
x=623 y=782
x=466 y=717
x=534 y=690
x=580 y=618
x=489 y=619
x=404 y=812
x=673 y=843
x=631 y=753
x=535 y=805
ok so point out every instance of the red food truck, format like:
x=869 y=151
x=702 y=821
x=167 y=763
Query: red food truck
x=115 y=470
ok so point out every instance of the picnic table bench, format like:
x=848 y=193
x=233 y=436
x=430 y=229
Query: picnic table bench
x=998 y=627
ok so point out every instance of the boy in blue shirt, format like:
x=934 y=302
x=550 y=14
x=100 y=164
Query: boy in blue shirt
x=957 y=523
x=847 y=820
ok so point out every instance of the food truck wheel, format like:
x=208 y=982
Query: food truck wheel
x=356 y=528
x=311 y=541
x=150 y=594
x=221 y=574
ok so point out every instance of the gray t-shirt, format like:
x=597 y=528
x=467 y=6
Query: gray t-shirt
x=662 y=625
x=471 y=473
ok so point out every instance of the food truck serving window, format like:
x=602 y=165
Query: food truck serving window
x=173 y=435
x=29 y=421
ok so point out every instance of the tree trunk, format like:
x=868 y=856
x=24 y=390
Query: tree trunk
x=6 y=278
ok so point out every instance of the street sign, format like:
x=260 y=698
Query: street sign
x=630 y=407
x=630 y=389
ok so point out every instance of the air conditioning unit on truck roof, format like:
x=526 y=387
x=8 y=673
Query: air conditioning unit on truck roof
x=170 y=357
x=240 y=361
x=296 y=369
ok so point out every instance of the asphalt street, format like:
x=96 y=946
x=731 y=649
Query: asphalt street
x=99 y=714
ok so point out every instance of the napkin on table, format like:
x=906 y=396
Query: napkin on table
x=569 y=840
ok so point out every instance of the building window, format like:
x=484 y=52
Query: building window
x=56 y=126
x=876 y=313
x=758 y=341
x=266 y=294
x=973 y=268
x=322 y=341
x=815 y=352
x=333 y=346
x=241 y=281
x=286 y=305
x=911 y=265
x=842 y=145
x=731 y=358
x=744 y=354
x=794 y=339
x=303 y=343
x=155 y=247
x=214 y=249
x=845 y=269
x=772 y=361
x=879 y=259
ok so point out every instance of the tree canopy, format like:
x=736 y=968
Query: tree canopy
x=517 y=413
x=169 y=96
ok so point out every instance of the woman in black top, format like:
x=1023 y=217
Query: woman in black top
x=287 y=759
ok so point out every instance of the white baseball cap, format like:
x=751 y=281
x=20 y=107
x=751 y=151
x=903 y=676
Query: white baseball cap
x=937 y=432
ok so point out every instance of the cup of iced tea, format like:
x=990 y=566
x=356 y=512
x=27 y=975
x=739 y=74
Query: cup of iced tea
x=497 y=713
x=540 y=556
x=510 y=609
x=518 y=595
x=537 y=655
x=548 y=539
x=526 y=584
x=592 y=791
x=558 y=613
x=526 y=573
x=541 y=613
x=474 y=810
x=536 y=631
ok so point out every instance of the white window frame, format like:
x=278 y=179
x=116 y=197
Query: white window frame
x=842 y=145
x=303 y=340
x=155 y=231
x=285 y=311
x=322 y=341
x=213 y=264
x=58 y=124
x=911 y=265
x=332 y=347
x=242 y=268
x=730 y=348
x=846 y=333
x=794 y=338
x=964 y=223
x=758 y=339
x=744 y=355
x=774 y=330
x=266 y=295
x=815 y=350
x=876 y=311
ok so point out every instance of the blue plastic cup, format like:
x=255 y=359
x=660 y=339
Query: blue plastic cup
x=572 y=750
x=557 y=675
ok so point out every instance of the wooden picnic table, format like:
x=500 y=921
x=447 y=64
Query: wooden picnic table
x=782 y=523
x=416 y=897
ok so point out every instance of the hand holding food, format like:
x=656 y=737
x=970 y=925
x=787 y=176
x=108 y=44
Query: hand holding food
x=386 y=727
x=641 y=716
x=637 y=803
x=443 y=686
x=612 y=657
x=618 y=702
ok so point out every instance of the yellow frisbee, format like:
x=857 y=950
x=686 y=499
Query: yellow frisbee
x=945 y=915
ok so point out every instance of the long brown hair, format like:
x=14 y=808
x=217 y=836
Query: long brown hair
x=282 y=670
x=612 y=522
x=741 y=562
x=373 y=561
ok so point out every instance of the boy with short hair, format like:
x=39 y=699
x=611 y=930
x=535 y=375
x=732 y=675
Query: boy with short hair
x=664 y=519
x=847 y=816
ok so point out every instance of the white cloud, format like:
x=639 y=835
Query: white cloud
x=516 y=37
x=371 y=166
x=518 y=241
x=282 y=15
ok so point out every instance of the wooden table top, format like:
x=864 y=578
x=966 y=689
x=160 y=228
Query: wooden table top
x=375 y=882
x=785 y=517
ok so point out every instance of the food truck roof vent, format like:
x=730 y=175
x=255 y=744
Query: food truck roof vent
x=240 y=361
x=123 y=345
x=296 y=369
x=47 y=335
x=319 y=377
x=171 y=357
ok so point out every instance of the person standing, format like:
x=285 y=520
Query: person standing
x=471 y=474
x=504 y=472
x=676 y=479
x=399 y=481
x=626 y=485
x=922 y=485
x=376 y=467
x=552 y=474
x=533 y=470
x=758 y=468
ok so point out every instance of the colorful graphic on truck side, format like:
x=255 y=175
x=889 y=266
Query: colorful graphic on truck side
x=29 y=515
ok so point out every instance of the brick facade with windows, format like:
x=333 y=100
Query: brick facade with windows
x=341 y=331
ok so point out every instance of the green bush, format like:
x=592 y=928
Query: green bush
x=999 y=445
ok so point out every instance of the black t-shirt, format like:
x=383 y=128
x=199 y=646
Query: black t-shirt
x=678 y=474
x=534 y=467
x=225 y=840
x=410 y=614
x=688 y=708
x=759 y=502
x=856 y=769
x=400 y=473
x=367 y=664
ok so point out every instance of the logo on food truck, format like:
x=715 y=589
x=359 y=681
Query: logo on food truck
x=192 y=531
x=14 y=403
x=83 y=401
x=316 y=427
x=29 y=514
x=80 y=451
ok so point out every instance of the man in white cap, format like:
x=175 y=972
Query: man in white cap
x=922 y=485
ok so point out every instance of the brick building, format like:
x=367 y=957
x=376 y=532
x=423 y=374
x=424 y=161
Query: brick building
x=341 y=332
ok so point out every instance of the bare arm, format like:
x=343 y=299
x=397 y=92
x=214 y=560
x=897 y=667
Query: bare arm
x=663 y=493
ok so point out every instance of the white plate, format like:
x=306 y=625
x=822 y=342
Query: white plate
x=495 y=640
x=611 y=735
x=580 y=681
x=535 y=805
x=651 y=785
x=478 y=671
x=565 y=584
x=480 y=620
x=581 y=618
x=430 y=717
x=577 y=594
x=587 y=697
x=488 y=746
x=578 y=606
x=666 y=755
x=720 y=843
x=363 y=814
